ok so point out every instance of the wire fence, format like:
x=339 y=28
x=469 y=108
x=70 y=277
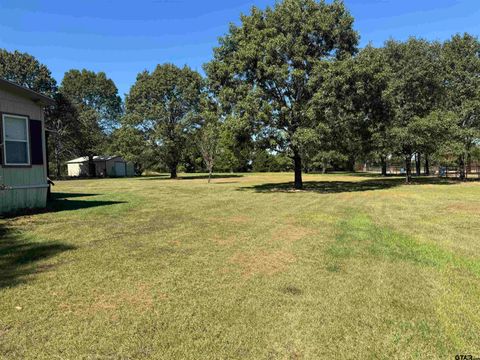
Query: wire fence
x=472 y=171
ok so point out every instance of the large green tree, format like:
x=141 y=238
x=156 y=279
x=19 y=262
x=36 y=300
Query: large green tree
x=164 y=104
x=236 y=145
x=415 y=88
x=25 y=70
x=272 y=56
x=132 y=144
x=351 y=99
x=461 y=67
x=89 y=90
x=98 y=109
x=437 y=134
x=207 y=135
x=375 y=120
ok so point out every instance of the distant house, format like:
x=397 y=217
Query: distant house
x=105 y=166
x=23 y=162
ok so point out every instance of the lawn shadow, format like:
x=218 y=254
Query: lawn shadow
x=192 y=177
x=19 y=256
x=332 y=187
x=60 y=205
x=60 y=195
x=349 y=173
x=363 y=174
x=60 y=202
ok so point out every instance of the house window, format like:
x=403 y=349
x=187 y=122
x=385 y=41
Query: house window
x=15 y=140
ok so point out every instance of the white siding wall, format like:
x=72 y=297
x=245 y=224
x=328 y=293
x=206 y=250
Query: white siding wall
x=33 y=176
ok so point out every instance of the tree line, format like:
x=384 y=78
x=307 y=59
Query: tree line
x=287 y=89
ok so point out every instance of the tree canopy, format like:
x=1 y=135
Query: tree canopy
x=97 y=106
x=287 y=83
x=25 y=70
x=272 y=56
x=461 y=68
x=163 y=104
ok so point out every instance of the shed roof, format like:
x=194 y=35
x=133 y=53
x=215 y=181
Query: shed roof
x=25 y=92
x=98 y=158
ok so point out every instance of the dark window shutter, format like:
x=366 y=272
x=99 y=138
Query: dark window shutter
x=1 y=140
x=36 y=143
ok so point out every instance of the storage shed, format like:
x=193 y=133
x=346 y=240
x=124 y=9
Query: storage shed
x=23 y=162
x=105 y=166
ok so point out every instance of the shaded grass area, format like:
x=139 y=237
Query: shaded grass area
x=354 y=267
x=19 y=256
x=327 y=187
x=66 y=204
x=63 y=202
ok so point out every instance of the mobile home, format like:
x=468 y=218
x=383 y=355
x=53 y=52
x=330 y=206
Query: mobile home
x=23 y=162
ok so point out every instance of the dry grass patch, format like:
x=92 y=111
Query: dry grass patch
x=140 y=299
x=263 y=262
x=464 y=207
x=239 y=219
x=224 y=240
x=290 y=233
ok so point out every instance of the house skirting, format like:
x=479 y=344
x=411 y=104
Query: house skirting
x=15 y=198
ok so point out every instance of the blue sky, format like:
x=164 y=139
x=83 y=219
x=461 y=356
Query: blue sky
x=123 y=37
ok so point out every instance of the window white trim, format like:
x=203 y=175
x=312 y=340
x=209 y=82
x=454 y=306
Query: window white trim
x=4 y=139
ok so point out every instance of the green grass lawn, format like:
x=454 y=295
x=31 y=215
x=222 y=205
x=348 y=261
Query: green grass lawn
x=244 y=268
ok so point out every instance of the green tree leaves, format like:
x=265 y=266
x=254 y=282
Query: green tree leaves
x=163 y=104
x=272 y=57
x=25 y=70
x=88 y=90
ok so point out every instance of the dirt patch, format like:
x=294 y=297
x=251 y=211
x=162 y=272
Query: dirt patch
x=290 y=233
x=141 y=298
x=463 y=207
x=239 y=219
x=263 y=262
x=224 y=241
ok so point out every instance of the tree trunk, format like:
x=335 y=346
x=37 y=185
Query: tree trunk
x=210 y=171
x=418 y=164
x=351 y=163
x=427 y=165
x=173 y=172
x=58 y=168
x=297 y=161
x=91 y=166
x=463 y=170
x=468 y=168
x=408 y=169
x=384 y=166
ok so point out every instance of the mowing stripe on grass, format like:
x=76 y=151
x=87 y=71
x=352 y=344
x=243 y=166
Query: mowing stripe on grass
x=359 y=236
